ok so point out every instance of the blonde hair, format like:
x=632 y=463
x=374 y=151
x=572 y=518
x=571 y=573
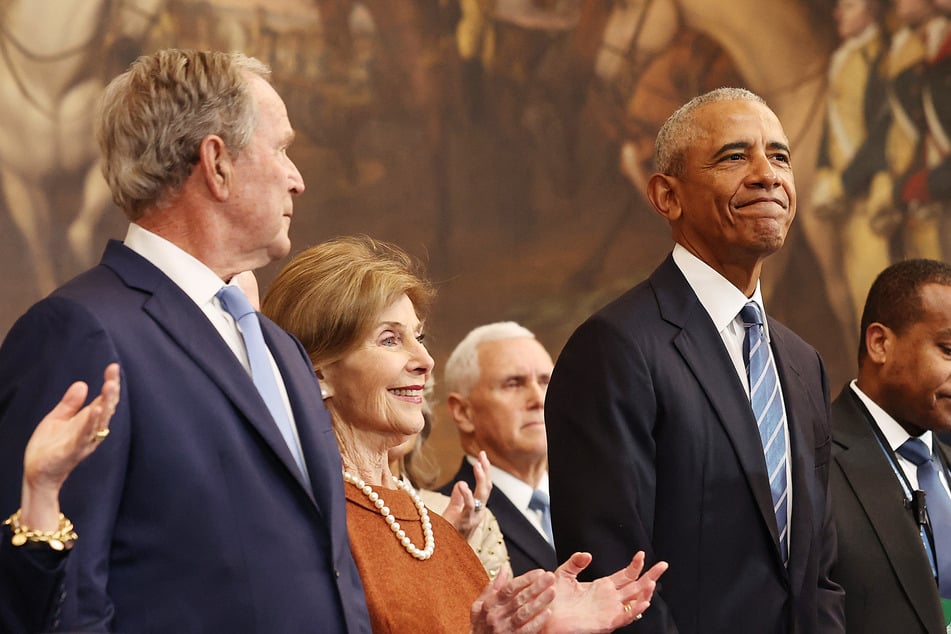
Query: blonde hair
x=330 y=295
x=153 y=117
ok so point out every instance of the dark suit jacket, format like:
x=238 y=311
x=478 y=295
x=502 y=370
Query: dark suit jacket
x=29 y=581
x=653 y=446
x=192 y=515
x=527 y=548
x=882 y=564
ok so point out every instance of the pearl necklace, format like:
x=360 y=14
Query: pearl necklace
x=399 y=533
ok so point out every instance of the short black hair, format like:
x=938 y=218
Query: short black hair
x=895 y=297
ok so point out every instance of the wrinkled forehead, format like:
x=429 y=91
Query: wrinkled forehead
x=738 y=121
x=515 y=354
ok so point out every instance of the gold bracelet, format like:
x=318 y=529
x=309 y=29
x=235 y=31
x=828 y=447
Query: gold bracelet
x=62 y=538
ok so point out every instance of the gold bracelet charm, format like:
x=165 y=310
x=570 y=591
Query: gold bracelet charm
x=62 y=538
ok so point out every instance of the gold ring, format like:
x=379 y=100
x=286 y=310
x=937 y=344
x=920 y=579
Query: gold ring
x=100 y=434
x=627 y=608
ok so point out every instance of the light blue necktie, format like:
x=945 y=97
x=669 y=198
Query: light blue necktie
x=767 y=403
x=234 y=301
x=939 y=507
x=541 y=503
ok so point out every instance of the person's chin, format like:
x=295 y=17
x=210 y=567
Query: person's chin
x=279 y=249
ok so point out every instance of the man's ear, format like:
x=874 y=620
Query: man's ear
x=215 y=164
x=878 y=342
x=460 y=411
x=662 y=194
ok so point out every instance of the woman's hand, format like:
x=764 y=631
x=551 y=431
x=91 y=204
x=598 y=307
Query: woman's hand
x=518 y=605
x=61 y=441
x=463 y=512
x=602 y=605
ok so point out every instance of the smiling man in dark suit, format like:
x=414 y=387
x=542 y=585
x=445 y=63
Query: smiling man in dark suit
x=496 y=380
x=216 y=505
x=659 y=437
x=902 y=396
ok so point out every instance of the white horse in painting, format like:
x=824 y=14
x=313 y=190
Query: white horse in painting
x=51 y=58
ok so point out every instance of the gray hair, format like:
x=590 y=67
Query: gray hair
x=462 y=369
x=153 y=117
x=679 y=131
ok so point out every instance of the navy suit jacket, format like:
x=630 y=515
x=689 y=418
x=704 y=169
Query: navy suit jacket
x=882 y=564
x=192 y=515
x=527 y=548
x=29 y=581
x=653 y=446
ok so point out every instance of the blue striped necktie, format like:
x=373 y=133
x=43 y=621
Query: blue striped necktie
x=236 y=304
x=938 y=504
x=767 y=403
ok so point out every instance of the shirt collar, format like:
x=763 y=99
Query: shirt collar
x=721 y=299
x=198 y=281
x=894 y=433
x=516 y=490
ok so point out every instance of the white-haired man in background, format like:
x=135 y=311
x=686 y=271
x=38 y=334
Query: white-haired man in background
x=496 y=380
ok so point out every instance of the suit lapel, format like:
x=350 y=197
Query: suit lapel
x=520 y=531
x=514 y=525
x=863 y=463
x=318 y=443
x=702 y=348
x=189 y=328
x=799 y=421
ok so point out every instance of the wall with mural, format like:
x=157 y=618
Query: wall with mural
x=505 y=142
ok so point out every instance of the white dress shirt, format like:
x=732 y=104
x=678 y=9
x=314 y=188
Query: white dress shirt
x=895 y=436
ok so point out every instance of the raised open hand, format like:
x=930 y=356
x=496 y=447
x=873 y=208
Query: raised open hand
x=602 y=605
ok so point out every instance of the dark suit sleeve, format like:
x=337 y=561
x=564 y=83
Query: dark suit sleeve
x=30 y=586
x=51 y=346
x=600 y=411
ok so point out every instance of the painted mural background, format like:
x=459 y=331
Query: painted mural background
x=505 y=142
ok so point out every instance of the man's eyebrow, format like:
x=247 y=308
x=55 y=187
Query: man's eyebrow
x=779 y=145
x=735 y=145
x=742 y=145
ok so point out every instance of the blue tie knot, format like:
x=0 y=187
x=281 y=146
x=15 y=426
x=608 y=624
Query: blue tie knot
x=750 y=315
x=539 y=501
x=915 y=451
x=235 y=302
